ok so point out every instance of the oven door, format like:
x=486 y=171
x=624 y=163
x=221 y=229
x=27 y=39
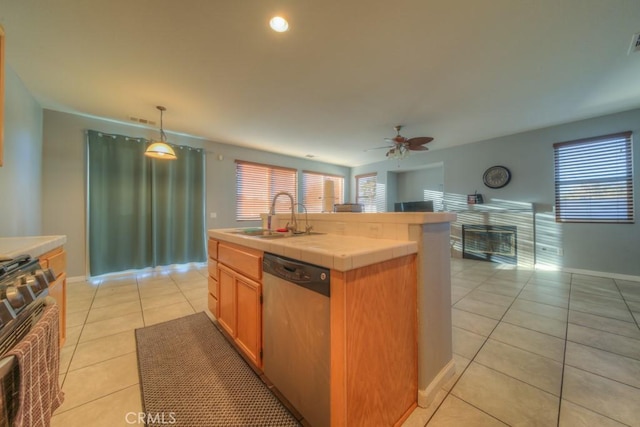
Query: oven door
x=9 y=390
x=10 y=335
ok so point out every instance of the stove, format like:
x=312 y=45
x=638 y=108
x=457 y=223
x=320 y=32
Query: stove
x=23 y=286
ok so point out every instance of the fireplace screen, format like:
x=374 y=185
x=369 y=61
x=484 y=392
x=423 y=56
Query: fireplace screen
x=495 y=243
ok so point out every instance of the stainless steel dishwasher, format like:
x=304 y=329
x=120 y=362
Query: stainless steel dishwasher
x=296 y=346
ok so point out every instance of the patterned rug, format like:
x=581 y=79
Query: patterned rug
x=191 y=376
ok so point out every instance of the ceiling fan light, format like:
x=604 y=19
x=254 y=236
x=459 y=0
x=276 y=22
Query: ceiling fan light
x=160 y=150
x=398 y=153
x=279 y=24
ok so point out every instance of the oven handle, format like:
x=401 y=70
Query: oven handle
x=6 y=365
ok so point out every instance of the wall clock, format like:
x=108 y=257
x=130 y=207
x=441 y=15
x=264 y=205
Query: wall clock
x=496 y=177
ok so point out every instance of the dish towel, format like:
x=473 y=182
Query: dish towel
x=38 y=357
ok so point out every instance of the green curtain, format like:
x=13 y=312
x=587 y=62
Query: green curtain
x=143 y=212
x=177 y=206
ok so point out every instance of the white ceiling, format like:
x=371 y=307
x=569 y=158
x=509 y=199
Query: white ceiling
x=336 y=83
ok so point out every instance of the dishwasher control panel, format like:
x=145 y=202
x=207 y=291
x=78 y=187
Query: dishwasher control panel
x=313 y=277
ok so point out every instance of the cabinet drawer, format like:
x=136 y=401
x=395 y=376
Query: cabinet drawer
x=213 y=266
x=56 y=260
x=246 y=261
x=212 y=247
x=213 y=286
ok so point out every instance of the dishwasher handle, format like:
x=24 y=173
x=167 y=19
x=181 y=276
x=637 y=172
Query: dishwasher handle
x=312 y=277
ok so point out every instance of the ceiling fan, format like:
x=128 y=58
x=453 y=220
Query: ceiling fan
x=401 y=146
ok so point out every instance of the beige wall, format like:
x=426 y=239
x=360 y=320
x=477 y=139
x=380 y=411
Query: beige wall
x=598 y=248
x=64 y=177
x=20 y=177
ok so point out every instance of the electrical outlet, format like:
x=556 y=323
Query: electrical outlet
x=552 y=250
x=374 y=230
x=213 y=215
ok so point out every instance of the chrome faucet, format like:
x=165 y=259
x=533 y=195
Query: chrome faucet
x=307 y=227
x=294 y=227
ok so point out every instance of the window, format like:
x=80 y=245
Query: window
x=594 y=179
x=256 y=184
x=366 y=191
x=313 y=190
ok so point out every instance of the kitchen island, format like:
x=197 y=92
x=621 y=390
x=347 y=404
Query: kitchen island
x=390 y=328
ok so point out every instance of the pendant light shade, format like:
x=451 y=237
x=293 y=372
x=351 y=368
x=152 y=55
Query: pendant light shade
x=160 y=149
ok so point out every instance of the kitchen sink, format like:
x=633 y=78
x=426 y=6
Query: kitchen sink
x=261 y=233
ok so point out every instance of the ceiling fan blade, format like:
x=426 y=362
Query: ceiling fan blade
x=397 y=139
x=417 y=141
x=377 y=148
x=417 y=148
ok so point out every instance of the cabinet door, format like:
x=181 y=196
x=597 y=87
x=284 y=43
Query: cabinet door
x=226 y=299
x=249 y=327
x=58 y=290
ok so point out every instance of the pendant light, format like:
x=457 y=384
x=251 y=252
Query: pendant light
x=161 y=150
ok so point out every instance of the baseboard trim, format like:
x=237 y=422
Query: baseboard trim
x=603 y=274
x=594 y=273
x=426 y=396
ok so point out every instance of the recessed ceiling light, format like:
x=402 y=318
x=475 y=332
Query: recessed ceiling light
x=279 y=24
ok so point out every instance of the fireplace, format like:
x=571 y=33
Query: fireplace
x=494 y=243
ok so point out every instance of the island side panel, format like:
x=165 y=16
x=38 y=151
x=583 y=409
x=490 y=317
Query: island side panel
x=338 y=344
x=435 y=353
x=377 y=342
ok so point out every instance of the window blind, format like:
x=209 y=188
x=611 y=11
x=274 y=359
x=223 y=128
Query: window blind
x=313 y=190
x=257 y=184
x=366 y=191
x=594 y=179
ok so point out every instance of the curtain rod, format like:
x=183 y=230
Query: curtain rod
x=140 y=139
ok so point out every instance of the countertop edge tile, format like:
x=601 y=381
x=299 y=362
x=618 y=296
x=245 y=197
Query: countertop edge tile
x=10 y=247
x=339 y=252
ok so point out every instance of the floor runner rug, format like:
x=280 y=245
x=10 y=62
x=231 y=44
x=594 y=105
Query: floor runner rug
x=191 y=376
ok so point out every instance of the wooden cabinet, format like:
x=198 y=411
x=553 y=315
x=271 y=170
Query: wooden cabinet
x=1 y=92
x=374 y=343
x=249 y=319
x=58 y=290
x=57 y=261
x=239 y=296
x=240 y=311
x=227 y=292
x=212 y=295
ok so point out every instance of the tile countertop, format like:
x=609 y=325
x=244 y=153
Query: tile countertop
x=10 y=247
x=338 y=252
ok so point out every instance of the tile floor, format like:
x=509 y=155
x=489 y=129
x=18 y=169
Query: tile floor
x=98 y=365
x=531 y=347
x=539 y=348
